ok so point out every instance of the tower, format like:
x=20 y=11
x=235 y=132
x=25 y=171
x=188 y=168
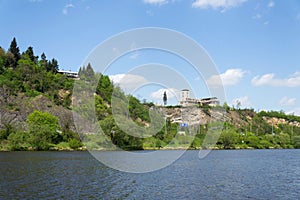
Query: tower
x=185 y=93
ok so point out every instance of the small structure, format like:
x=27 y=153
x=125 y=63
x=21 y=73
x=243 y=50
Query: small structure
x=211 y=101
x=69 y=74
x=185 y=100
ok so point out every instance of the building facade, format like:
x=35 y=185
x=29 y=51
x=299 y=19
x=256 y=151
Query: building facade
x=185 y=100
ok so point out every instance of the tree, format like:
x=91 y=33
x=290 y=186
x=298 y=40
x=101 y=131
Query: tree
x=165 y=98
x=44 y=61
x=105 y=88
x=228 y=138
x=14 y=49
x=2 y=60
x=30 y=54
x=43 y=128
x=89 y=71
x=52 y=66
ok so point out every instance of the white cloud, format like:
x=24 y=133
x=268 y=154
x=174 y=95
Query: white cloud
x=215 y=4
x=285 y=101
x=242 y=101
x=171 y=93
x=295 y=111
x=271 y=4
x=65 y=10
x=257 y=16
x=230 y=77
x=128 y=82
x=156 y=2
x=270 y=80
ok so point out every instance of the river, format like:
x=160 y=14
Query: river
x=233 y=174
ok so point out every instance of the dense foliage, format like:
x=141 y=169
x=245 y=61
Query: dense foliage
x=26 y=73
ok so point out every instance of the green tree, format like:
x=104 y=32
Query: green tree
x=283 y=140
x=89 y=71
x=52 y=66
x=75 y=143
x=2 y=60
x=296 y=141
x=6 y=131
x=228 y=138
x=31 y=55
x=253 y=141
x=43 y=128
x=18 y=141
x=105 y=88
x=14 y=49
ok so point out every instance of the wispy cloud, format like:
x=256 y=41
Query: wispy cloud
x=241 y=102
x=285 y=101
x=271 y=4
x=263 y=12
x=228 y=78
x=65 y=10
x=257 y=16
x=128 y=82
x=270 y=80
x=156 y=2
x=295 y=111
x=217 y=4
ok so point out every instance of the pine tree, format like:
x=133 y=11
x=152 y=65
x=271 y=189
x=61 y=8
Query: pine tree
x=14 y=49
x=43 y=61
x=52 y=66
x=30 y=54
x=89 y=71
x=165 y=98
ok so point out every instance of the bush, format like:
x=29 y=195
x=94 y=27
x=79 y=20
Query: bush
x=74 y=144
x=18 y=141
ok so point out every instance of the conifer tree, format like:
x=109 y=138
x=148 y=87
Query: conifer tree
x=165 y=98
x=14 y=49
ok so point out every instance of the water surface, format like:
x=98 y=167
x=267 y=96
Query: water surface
x=236 y=174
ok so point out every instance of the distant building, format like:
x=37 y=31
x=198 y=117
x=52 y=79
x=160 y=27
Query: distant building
x=211 y=101
x=69 y=74
x=185 y=100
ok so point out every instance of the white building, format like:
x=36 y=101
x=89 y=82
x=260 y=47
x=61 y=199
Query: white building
x=69 y=74
x=185 y=100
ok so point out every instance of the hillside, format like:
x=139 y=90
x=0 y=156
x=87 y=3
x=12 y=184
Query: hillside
x=36 y=113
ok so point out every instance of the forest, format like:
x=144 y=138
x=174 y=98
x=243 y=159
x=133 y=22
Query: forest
x=26 y=76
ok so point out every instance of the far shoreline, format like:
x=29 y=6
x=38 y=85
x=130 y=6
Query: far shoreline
x=145 y=149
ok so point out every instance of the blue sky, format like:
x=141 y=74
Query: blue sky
x=255 y=44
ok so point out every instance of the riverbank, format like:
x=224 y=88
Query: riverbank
x=62 y=149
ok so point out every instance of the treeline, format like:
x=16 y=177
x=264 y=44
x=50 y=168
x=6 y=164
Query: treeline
x=280 y=115
x=33 y=75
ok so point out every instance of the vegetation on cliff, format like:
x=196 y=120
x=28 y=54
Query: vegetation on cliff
x=36 y=104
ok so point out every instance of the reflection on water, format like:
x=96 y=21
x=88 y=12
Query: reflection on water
x=254 y=174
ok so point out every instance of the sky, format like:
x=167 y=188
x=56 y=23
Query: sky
x=254 y=44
